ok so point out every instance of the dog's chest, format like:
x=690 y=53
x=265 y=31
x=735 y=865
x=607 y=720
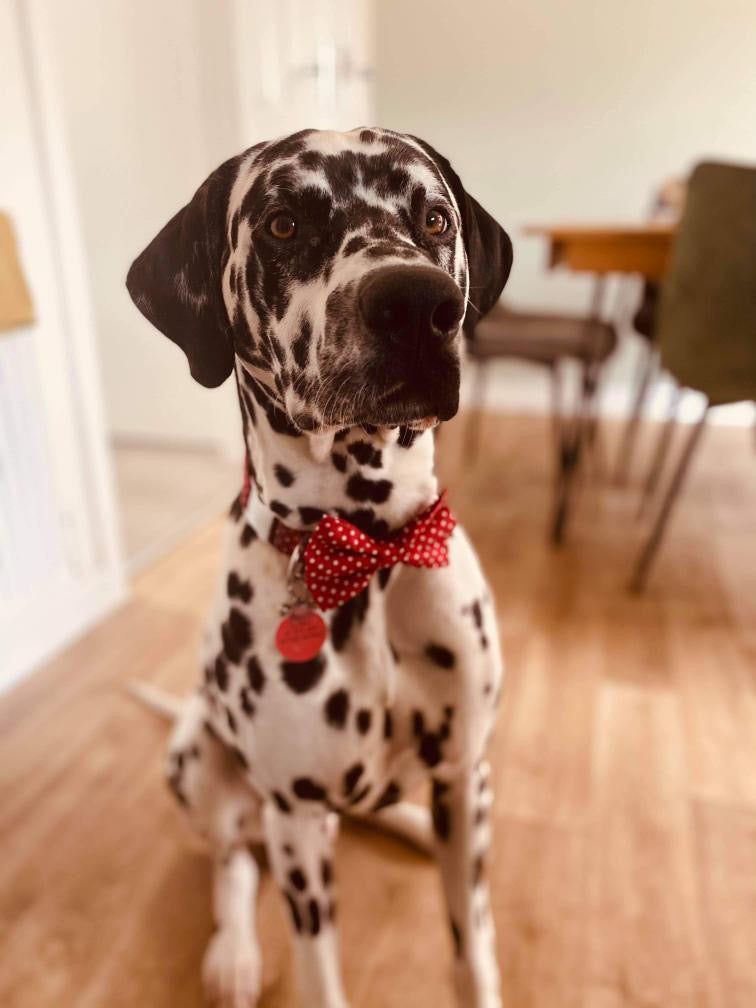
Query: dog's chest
x=355 y=727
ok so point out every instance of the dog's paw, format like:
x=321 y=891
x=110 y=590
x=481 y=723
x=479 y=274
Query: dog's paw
x=477 y=987
x=232 y=970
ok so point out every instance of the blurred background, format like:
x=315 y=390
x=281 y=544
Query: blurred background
x=580 y=453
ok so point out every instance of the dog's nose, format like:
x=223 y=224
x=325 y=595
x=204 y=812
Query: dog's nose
x=400 y=302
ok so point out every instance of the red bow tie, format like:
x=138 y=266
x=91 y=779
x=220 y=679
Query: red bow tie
x=340 y=560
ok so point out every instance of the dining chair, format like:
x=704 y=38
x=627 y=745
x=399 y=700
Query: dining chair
x=545 y=340
x=706 y=323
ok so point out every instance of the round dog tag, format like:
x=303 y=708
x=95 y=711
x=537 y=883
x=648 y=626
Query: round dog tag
x=301 y=634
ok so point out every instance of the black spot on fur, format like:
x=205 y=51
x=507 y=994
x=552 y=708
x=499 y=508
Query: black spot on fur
x=355 y=244
x=308 y=790
x=365 y=520
x=429 y=749
x=284 y=476
x=440 y=811
x=245 y=699
x=440 y=655
x=456 y=937
x=326 y=872
x=477 y=869
x=300 y=348
x=314 y=917
x=339 y=461
x=237 y=634
x=305 y=421
x=237 y=588
x=364 y=720
x=248 y=535
x=255 y=675
x=236 y=510
x=303 y=676
x=365 y=454
x=361 y=794
x=310 y=515
x=384 y=576
x=353 y=610
x=418 y=723
x=389 y=796
x=281 y=803
x=221 y=673
x=394 y=653
x=352 y=777
x=294 y=910
x=388 y=724
x=361 y=489
x=407 y=437
x=298 y=879
x=231 y=721
x=277 y=418
x=241 y=759
x=280 y=509
x=174 y=783
x=337 y=708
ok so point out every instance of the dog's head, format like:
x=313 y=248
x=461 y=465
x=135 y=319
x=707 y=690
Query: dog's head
x=338 y=267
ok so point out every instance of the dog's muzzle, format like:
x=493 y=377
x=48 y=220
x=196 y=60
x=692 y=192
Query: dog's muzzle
x=412 y=315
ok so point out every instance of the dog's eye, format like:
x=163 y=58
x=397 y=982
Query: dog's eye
x=436 y=222
x=282 y=226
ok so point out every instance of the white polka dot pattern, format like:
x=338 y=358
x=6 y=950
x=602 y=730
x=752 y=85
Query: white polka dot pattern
x=340 y=559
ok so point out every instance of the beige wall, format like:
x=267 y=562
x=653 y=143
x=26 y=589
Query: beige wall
x=569 y=109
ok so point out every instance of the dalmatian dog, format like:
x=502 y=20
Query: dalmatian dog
x=334 y=274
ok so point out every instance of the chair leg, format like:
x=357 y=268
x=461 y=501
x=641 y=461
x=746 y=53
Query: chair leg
x=646 y=371
x=557 y=418
x=640 y=574
x=475 y=417
x=571 y=443
x=594 y=432
x=662 y=450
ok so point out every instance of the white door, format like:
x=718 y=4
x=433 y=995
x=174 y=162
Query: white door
x=304 y=63
x=59 y=561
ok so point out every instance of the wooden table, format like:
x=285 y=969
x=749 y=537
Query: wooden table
x=600 y=249
x=608 y=248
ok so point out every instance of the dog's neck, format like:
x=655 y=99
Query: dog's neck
x=377 y=478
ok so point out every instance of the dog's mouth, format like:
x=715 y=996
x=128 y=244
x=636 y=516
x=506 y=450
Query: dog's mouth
x=417 y=399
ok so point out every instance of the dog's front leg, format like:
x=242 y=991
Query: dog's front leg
x=460 y=819
x=300 y=849
x=232 y=966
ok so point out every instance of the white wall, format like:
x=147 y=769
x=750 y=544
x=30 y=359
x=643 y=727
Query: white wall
x=554 y=110
x=60 y=566
x=148 y=92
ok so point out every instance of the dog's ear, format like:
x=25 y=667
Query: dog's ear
x=176 y=281
x=487 y=244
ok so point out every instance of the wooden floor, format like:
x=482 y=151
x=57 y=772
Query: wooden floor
x=166 y=492
x=624 y=867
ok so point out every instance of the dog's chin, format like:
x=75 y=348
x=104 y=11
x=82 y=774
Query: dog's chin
x=406 y=404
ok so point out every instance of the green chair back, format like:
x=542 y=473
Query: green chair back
x=707 y=316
